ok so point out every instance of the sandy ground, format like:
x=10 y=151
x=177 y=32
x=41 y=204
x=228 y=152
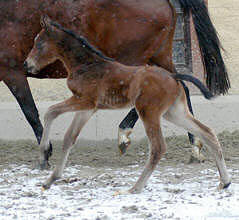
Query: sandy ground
x=95 y=170
x=176 y=190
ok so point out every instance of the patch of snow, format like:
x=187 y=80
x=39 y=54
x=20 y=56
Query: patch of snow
x=90 y=195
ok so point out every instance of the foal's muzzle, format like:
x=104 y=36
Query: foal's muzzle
x=30 y=68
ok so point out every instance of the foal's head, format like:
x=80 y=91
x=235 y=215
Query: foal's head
x=55 y=42
x=45 y=49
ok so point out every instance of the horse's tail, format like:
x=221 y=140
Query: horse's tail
x=217 y=79
x=204 y=90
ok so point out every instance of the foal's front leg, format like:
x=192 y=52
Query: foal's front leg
x=69 y=105
x=71 y=135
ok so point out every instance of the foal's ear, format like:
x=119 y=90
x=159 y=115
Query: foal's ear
x=45 y=21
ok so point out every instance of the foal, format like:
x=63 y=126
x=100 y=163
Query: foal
x=98 y=82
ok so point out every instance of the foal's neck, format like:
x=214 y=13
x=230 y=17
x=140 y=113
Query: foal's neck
x=74 y=54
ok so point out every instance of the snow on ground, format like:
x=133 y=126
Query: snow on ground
x=172 y=193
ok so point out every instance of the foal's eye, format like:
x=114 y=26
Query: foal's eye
x=39 y=45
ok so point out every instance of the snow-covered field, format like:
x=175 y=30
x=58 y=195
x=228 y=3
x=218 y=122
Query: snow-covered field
x=181 y=192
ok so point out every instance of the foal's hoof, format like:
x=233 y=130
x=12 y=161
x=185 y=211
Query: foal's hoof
x=117 y=193
x=128 y=192
x=224 y=186
x=45 y=187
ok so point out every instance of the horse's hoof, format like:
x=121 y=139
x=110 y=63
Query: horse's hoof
x=45 y=165
x=224 y=186
x=123 y=147
x=196 y=156
x=124 y=140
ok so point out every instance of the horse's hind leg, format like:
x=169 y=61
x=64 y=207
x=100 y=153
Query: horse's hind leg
x=180 y=115
x=125 y=129
x=18 y=85
x=157 y=147
x=71 y=135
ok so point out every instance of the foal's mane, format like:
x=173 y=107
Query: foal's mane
x=82 y=40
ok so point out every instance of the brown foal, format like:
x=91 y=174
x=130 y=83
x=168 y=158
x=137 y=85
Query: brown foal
x=98 y=82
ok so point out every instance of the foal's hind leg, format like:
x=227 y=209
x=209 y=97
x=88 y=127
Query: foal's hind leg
x=157 y=149
x=71 y=135
x=179 y=115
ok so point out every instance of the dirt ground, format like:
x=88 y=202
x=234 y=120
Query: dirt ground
x=105 y=153
x=177 y=189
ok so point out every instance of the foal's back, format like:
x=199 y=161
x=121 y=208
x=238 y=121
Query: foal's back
x=124 y=86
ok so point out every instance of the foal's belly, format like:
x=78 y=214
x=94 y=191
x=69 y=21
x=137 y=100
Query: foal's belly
x=113 y=99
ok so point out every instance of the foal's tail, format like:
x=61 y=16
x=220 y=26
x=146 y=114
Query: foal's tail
x=204 y=90
x=217 y=78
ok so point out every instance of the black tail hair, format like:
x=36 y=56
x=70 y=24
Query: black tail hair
x=217 y=78
x=204 y=90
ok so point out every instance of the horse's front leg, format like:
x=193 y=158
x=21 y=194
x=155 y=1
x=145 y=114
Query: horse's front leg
x=71 y=135
x=125 y=129
x=17 y=83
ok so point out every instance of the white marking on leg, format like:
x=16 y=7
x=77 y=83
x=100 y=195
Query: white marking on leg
x=123 y=136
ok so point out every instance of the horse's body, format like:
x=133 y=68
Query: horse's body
x=130 y=31
x=99 y=82
x=133 y=32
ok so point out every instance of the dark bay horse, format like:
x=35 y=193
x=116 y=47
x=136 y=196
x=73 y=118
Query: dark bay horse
x=133 y=32
x=98 y=82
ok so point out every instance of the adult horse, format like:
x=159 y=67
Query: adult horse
x=133 y=32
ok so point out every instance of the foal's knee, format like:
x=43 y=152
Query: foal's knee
x=69 y=140
x=51 y=114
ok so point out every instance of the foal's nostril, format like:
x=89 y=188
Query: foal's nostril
x=25 y=65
